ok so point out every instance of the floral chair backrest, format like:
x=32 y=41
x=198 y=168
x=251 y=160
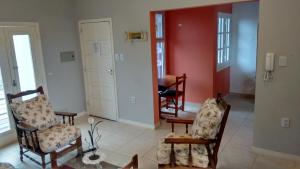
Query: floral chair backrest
x=207 y=122
x=36 y=112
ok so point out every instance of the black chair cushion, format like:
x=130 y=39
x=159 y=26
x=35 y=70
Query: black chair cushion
x=170 y=93
x=162 y=88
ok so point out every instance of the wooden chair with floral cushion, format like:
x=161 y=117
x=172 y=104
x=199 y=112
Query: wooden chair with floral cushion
x=200 y=148
x=39 y=129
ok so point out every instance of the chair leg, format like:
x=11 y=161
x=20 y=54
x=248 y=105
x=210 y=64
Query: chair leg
x=183 y=103
x=176 y=106
x=21 y=153
x=79 y=146
x=53 y=157
x=167 y=103
x=43 y=162
x=159 y=106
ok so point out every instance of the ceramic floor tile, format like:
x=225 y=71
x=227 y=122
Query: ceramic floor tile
x=121 y=141
x=264 y=162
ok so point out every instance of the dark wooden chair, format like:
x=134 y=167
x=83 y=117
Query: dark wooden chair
x=211 y=151
x=30 y=134
x=133 y=164
x=173 y=95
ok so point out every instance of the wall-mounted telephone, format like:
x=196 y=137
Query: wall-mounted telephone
x=269 y=66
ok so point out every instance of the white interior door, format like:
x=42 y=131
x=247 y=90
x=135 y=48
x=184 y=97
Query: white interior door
x=21 y=64
x=99 y=70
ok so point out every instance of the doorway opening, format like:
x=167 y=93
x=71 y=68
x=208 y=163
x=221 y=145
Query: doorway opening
x=215 y=46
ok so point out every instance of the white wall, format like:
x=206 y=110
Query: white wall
x=58 y=29
x=279 y=32
x=244 y=47
x=134 y=75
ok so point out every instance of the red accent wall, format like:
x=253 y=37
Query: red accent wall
x=222 y=81
x=191 y=48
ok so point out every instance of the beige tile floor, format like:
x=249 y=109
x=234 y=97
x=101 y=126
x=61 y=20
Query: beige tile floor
x=120 y=141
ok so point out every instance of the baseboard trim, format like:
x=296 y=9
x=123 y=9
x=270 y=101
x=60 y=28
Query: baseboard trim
x=157 y=125
x=267 y=152
x=149 y=126
x=80 y=114
x=195 y=107
x=244 y=95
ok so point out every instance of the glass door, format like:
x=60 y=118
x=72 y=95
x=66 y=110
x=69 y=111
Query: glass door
x=5 y=85
x=4 y=118
x=24 y=63
x=21 y=66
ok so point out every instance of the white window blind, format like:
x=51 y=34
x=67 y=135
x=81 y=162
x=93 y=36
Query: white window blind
x=224 y=40
x=4 y=119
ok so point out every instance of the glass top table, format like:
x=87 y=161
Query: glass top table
x=76 y=163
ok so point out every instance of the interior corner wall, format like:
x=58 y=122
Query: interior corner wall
x=190 y=46
x=57 y=23
x=191 y=36
x=279 y=32
x=222 y=82
x=58 y=29
x=134 y=75
x=244 y=47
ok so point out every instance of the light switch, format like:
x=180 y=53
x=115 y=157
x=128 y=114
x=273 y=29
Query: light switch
x=285 y=122
x=117 y=57
x=283 y=61
x=121 y=57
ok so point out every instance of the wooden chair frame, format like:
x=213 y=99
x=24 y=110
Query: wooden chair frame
x=212 y=154
x=29 y=133
x=133 y=164
x=180 y=80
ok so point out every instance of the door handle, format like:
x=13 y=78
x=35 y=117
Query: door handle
x=14 y=83
x=110 y=71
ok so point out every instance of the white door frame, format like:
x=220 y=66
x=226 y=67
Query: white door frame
x=38 y=52
x=40 y=67
x=113 y=60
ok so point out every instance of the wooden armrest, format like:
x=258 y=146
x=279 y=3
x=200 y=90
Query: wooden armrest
x=66 y=114
x=26 y=127
x=179 y=120
x=188 y=141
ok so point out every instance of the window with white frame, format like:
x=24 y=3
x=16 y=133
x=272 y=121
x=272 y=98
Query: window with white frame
x=224 y=40
x=160 y=44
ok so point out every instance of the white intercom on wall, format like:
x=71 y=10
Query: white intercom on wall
x=269 y=66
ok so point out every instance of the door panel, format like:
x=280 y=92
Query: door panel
x=96 y=41
x=21 y=64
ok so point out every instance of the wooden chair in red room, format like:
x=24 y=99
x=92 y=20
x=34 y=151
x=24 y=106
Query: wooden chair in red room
x=40 y=131
x=173 y=95
x=200 y=148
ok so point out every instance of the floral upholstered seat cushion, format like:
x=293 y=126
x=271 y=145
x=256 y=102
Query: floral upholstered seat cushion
x=36 y=112
x=57 y=137
x=6 y=166
x=207 y=122
x=199 y=153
